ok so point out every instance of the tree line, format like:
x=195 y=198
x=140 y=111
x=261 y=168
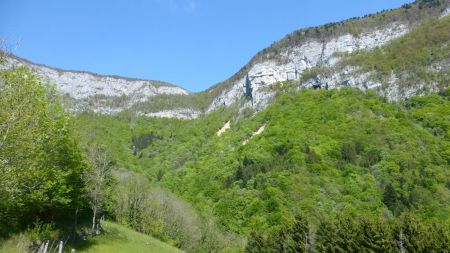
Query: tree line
x=348 y=234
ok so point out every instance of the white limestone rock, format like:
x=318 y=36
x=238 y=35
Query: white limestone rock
x=300 y=58
x=180 y=113
x=446 y=12
x=96 y=92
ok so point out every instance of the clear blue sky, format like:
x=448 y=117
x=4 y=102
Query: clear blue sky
x=192 y=43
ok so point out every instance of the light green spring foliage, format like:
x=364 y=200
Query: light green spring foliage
x=322 y=152
x=40 y=161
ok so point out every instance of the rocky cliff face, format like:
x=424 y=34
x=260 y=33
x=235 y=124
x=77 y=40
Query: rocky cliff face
x=98 y=93
x=112 y=94
x=293 y=61
x=300 y=58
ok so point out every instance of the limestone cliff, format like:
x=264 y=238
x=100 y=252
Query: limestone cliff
x=288 y=59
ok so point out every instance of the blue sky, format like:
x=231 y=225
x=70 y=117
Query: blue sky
x=191 y=43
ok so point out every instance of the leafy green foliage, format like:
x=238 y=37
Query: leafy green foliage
x=322 y=152
x=40 y=161
x=338 y=148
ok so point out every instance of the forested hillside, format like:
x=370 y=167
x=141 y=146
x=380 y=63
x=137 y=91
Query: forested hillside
x=322 y=154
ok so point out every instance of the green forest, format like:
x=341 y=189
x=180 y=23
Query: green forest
x=330 y=156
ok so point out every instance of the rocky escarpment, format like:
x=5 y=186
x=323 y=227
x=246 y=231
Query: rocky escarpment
x=300 y=58
x=394 y=86
x=98 y=93
x=292 y=61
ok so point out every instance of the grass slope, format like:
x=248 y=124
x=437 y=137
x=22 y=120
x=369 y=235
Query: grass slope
x=118 y=238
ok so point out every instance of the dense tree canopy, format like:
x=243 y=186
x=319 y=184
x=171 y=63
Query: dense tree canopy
x=40 y=162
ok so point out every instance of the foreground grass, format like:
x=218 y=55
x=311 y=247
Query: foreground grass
x=116 y=238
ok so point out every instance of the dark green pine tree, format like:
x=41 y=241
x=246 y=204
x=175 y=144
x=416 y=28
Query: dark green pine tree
x=248 y=87
x=279 y=241
x=390 y=198
x=348 y=235
x=439 y=234
x=376 y=235
x=300 y=239
x=256 y=243
x=325 y=237
x=411 y=235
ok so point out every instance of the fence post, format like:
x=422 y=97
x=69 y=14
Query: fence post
x=61 y=246
x=45 y=247
x=41 y=248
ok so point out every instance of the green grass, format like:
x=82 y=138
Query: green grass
x=10 y=245
x=118 y=238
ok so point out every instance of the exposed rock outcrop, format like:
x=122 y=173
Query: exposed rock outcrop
x=300 y=58
x=100 y=93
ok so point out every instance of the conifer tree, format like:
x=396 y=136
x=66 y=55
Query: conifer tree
x=301 y=240
x=348 y=236
x=376 y=235
x=410 y=234
x=439 y=237
x=325 y=237
x=280 y=241
x=256 y=243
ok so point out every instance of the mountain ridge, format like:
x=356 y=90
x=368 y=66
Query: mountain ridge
x=287 y=59
x=91 y=72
